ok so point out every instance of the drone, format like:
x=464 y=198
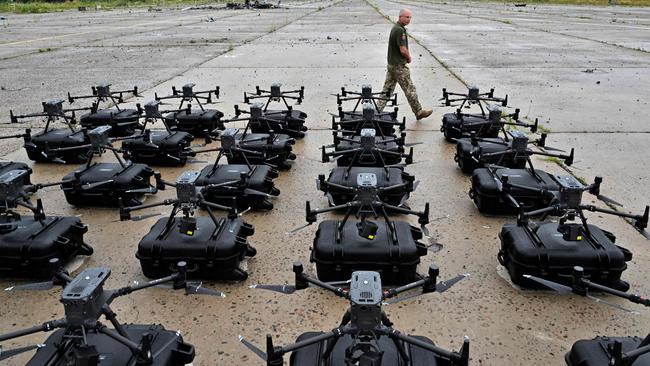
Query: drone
x=458 y=124
x=289 y=121
x=352 y=122
x=474 y=152
x=550 y=249
x=499 y=190
x=198 y=122
x=252 y=185
x=340 y=247
x=213 y=247
x=123 y=122
x=270 y=148
x=473 y=96
x=365 y=336
x=26 y=244
x=103 y=184
x=623 y=351
x=81 y=339
x=366 y=96
x=364 y=151
x=167 y=147
x=53 y=138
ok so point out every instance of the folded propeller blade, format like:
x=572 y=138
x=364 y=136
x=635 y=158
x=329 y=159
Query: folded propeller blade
x=38 y=286
x=615 y=306
x=559 y=288
x=96 y=184
x=143 y=190
x=144 y=216
x=440 y=287
x=608 y=200
x=293 y=231
x=283 y=289
x=16 y=351
x=261 y=354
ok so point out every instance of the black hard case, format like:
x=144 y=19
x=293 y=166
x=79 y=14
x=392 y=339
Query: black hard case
x=595 y=352
x=293 y=123
x=212 y=252
x=277 y=151
x=370 y=160
x=169 y=152
x=123 y=122
x=455 y=126
x=396 y=263
x=7 y=166
x=134 y=176
x=27 y=245
x=261 y=180
x=197 y=122
x=313 y=355
x=540 y=250
x=387 y=129
x=392 y=197
x=490 y=201
x=37 y=145
x=168 y=346
x=465 y=152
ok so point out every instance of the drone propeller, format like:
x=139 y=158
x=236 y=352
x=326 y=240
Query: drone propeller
x=261 y=354
x=196 y=288
x=96 y=184
x=143 y=190
x=608 y=200
x=254 y=192
x=440 y=288
x=565 y=290
x=559 y=288
x=290 y=289
x=293 y=231
x=425 y=231
x=16 y=351
x=552 y=149
x=37 y=286
x=144 y=216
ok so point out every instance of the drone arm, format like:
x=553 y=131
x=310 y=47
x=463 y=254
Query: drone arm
x=456 y=358
x=630 y=297
x=45 y=327
x=142 y=207
x=205 y=203
x=398 y=290
x=541 y=211
x=641 y=220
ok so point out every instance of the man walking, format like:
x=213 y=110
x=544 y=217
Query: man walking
x=398 y=72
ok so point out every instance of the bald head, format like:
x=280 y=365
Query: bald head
x=405 y=16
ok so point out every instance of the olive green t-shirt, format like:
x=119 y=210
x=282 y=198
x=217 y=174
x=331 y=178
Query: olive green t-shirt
x=397 y=38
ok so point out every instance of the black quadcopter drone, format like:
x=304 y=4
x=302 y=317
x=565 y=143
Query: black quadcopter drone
x=81 y=339
x=198 y=122
x=212 y=247
x=388 y=246
x=551 y=249
x=123 y=121
x=289 y=121
x=458 y=124
x=104 y=184
x=158 y=147
x=28 y=243
x=615 y=351
x=36 y=145
x=365 y=336
x=269 y=147
x=251 y=185
x=351 y=122
x=499 y=190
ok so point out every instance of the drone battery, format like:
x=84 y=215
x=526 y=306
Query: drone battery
x=395 y=261
x=540 y=249
x=599 y=351
x=118 y=183
x=278 y=150
x=260 y=180
x=164 y=149
x=394 y=176
x=490 y=200
x=198 y=122
x=123 y=122
x=38 y=146
x=27 y=245
x=386 y=123
x=455 y=126
x=467 y=154
x=313 y=355
x=167 y=346
x=292 y=123
x=211 y=252
x=370 y=159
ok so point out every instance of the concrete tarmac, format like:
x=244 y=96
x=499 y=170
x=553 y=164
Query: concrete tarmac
x=325 y=46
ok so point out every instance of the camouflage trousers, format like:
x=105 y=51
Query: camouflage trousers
x=400 y=74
